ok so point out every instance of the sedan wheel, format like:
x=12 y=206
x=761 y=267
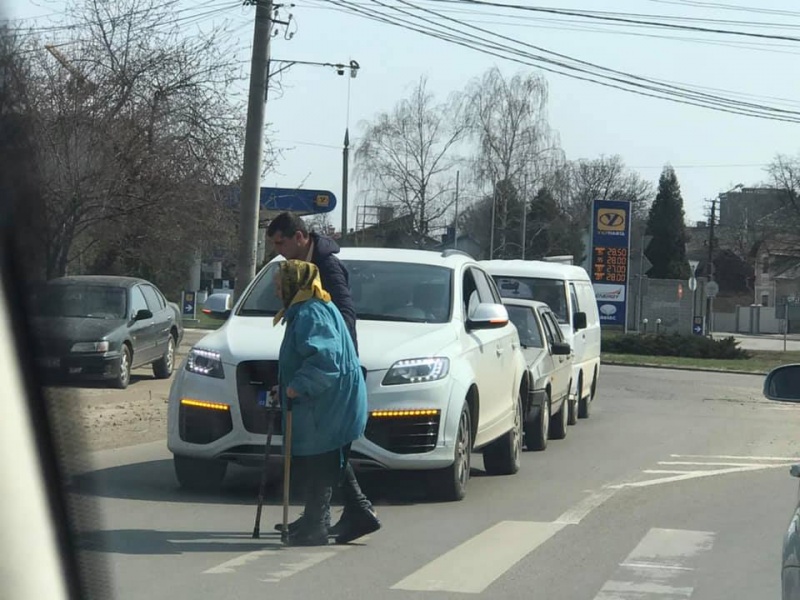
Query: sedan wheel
x=537 y=431
x=504 y=455
x=124 y=372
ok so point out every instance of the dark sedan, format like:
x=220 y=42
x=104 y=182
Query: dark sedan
x=97 y=327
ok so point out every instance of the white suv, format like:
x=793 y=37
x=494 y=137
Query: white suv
x=444 y=370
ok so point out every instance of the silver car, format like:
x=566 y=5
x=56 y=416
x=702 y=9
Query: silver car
x=549 y=359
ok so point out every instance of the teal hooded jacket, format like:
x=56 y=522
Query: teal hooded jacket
x=318 y=360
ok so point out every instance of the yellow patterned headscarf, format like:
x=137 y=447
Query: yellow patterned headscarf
x=300 y=281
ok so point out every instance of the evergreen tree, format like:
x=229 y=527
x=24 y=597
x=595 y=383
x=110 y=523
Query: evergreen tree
x=667 y=249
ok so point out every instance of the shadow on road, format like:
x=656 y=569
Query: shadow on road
x=155 y=481
x=149 y=541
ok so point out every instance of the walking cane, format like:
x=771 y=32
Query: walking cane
x=264 y=472
x=287 y=466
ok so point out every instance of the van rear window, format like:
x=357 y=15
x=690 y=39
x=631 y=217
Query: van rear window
x=550 y=291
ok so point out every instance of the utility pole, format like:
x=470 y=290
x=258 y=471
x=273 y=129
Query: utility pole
x=345 y=178
x=253 y=148
x=524 y=214
x=455 y=222
x=710 y=266
x=491 y=237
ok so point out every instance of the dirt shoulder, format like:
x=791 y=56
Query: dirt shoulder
x=109 y=418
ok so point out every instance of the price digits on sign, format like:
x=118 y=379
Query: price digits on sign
x=611 y=264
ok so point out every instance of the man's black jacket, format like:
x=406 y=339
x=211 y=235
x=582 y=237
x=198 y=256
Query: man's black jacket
x=335 y=280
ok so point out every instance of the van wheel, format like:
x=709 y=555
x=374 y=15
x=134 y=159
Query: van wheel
x=584 y=410
x=558 y=422
x=450 y=484
x=199 y=475
x=573 y=408
x=504 y=455
x=537 y=431
x=594 y=384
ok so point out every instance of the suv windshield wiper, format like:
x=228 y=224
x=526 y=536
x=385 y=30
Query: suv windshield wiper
x=256 y=312
x=377 y=317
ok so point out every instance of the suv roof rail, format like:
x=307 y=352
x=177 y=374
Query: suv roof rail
x=455 y=252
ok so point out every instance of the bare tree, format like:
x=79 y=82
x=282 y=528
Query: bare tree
x=516 y=145
x=407 y=157
x=134 y=129
x=577 y=184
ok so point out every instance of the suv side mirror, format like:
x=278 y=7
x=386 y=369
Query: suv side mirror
x=783 y=384
x=579 y=321
x=488 y=316
x=562 y=349
x=143 y=315
x=218 y=306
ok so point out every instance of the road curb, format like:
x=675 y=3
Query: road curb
x=679 y=368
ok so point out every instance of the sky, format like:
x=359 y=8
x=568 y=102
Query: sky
x=711 y=151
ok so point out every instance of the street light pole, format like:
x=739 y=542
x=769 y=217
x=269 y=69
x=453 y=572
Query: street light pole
x=345 y=179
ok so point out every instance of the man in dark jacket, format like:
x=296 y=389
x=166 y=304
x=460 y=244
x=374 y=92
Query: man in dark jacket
x=292 y=240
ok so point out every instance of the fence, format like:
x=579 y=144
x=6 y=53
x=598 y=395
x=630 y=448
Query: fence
x=665 y=305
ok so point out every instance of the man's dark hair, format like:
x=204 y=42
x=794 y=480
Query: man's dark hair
x=287 y=224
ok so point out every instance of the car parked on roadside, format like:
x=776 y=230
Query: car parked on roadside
x=549 y=360
x=98 y=327
x=444 y=371
x=783 y=384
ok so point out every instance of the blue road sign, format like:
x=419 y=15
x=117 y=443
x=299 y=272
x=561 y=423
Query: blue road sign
x=189 y=304
x=697 y=326
x=302 y=202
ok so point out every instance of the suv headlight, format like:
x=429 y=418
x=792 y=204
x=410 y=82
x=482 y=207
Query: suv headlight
x=91 y=346
x=205 y=362
x=417 y=370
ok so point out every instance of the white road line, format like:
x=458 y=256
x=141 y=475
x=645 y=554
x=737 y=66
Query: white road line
x=665 y=472
x=471 y=567
x=580 y=511
x=686 y=476
x=231 y=565
x=293 y=563
x=714 y=464
x=730 y=457
x=661 y=567
x=297 y=564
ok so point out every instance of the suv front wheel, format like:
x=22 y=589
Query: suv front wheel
x=450 y=484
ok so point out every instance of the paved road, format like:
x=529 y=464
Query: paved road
x=769 y=342
x=677 y=487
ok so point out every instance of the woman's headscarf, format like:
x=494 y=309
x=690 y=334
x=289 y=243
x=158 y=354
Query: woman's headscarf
x=300 y=281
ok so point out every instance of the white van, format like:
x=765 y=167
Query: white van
x=568 y=290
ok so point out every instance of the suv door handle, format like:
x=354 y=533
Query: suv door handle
x=499 y=351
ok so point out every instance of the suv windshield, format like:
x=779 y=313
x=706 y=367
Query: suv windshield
x=382 y=291
x=84 y=301
x=550 y=291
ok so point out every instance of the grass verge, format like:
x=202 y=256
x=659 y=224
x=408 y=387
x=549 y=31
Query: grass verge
x=761 y=361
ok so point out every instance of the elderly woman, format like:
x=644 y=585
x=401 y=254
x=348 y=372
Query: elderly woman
x=320 y=374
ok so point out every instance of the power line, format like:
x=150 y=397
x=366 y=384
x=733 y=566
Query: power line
x=640 y=20
x=595 y=66
x=733 y=7
x=659 y=91
x=529 y=21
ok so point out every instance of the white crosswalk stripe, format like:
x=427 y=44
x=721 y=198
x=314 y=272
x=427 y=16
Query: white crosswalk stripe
x=661 y=567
